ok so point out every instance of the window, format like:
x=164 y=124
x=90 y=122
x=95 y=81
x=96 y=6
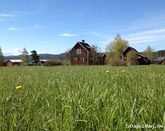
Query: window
x=78 y=51
x=75 y=58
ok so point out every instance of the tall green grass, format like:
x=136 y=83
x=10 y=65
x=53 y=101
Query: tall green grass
x=82 y=98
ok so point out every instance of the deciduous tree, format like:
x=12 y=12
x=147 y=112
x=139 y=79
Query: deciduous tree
x=94 y=58
x=149 y=52
x=115 y=50
x=25 y=59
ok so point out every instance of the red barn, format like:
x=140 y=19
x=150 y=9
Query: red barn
x=81 y=54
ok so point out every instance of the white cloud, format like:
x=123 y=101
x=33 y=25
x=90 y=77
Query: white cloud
x=6 y=15
x=16 y=51
x=26 y=28
x=149 y=32
x=68 y=35
x=147 y=36
x=14 y=29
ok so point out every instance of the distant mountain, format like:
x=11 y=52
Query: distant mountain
x=12 y=57
x=42 y=56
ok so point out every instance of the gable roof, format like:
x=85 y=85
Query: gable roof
x=86 y=46
x=129 y=49
x=101 y=54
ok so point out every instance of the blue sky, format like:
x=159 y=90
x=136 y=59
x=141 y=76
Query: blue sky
x=54 y=26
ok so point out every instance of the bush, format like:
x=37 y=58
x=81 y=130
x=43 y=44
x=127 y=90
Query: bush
x=53 y=63
x=115 y=62
x=163 y=63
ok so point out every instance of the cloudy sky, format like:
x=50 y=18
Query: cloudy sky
x=54 y=26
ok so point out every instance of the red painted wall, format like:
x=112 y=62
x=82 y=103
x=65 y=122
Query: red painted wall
x=79 y=59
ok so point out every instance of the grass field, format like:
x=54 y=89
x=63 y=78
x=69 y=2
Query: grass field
x=82 y=98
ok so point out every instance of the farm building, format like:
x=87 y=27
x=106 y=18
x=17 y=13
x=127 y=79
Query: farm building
x=160 y=60
x=13 y=62
x=42 y=61
x=83 y=54
x=140 y=59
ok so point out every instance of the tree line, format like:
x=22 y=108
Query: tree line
x=114 y=50
x=24 y=57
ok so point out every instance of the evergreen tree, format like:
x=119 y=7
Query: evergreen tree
x=35 y=57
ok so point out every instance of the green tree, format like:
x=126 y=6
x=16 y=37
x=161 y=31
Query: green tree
x=149 y=52
x=67 y=57
x=1 y=57
x=25 y=56
x=94 y=58
x=115 y=50
x=35 y=57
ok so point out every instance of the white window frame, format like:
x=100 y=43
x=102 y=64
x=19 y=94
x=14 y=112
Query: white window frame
x=78 y=51
x=75 y=58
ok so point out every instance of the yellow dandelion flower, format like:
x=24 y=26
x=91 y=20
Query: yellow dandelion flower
x=19 y=87
x=107 y=71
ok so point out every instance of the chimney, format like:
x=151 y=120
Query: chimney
x=83 y=41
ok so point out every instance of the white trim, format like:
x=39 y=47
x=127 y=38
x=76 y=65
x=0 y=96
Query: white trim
x=83 y=47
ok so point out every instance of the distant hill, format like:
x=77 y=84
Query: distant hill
x=42 y=56
x=160 y=53
x=52 y=56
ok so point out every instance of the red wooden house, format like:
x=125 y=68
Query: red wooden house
x=81 y=54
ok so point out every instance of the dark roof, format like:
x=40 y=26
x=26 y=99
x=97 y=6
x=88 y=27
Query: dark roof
x=129 y=49
x=85 y=45
x=141 y=55
x=101 y=54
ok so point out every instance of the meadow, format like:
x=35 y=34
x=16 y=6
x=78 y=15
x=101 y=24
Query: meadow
x=78 y=98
